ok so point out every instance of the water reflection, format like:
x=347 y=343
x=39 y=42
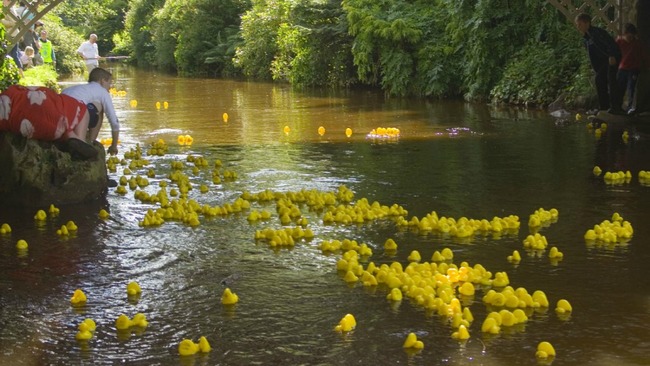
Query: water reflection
x=453 y=158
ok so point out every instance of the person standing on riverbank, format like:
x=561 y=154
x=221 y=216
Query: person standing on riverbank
x=631 y=63
x=96 y=92
x=89 y=52
x=604 y=56
x=47 y=51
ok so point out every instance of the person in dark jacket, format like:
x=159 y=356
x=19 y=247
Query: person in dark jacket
x=604 y=56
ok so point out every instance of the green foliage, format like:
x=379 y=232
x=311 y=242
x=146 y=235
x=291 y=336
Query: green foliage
x=9 y=72
x=41 y=76
x=102 y=17
x=137 y=25
x=65 y=43
x=313 y=48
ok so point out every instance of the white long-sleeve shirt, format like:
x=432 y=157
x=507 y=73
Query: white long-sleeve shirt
x=93 y=92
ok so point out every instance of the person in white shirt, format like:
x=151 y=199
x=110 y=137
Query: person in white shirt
x=96 y=93
x=89 y=52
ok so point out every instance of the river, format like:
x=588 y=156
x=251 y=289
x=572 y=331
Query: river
x=454 y=158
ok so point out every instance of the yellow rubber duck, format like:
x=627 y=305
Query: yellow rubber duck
x=515 y=257
x=90 y=324
x=286 y=130
x=133 y=103
x=390 y=244
x=204 y=345
x=395 y=295
x=321 y=130
x=71 y=226
x=225 y=117
x=5 y=229
x=84 y=333
x=157 y=105
x=78 y=298
x=54 y=210
x=467 y=289
x=165 y=104
x=103 y=214
x=139 y=320
x=563 y=307
x=462 y=333
x=21 y=244
x=414 y=256
x=597 y=171
x=122 y=322
x=133 y=288
x=187 y=348
x=545 y=350
x=413 y=342
x=346 y=324
x=348 y=132
x=40 y=215
x=228 y=297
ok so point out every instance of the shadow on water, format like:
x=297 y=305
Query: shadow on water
x=454 y=158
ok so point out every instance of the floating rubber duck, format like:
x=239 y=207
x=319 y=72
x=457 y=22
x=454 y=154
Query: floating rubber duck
x=103 y=214
x=413 y=342
x=395 y=295
x=54 y=210
x=40 y=215
x=563 y=307
x=597 y=171
x=578 y=116
x=321 y=130
x=165 y=105
x=225 y=117
x=204 y=345
x=348 y=132
x=467 y=289
x=139 y=320
x=133 y=103
x=133 y=288
x=78 y=298
x=229 y=298
x=5 y=229
x=462 y=333
x=122 y=322
x=286 y=130
x=84 y=333
x=346 y=324
x=157 y=105
x=414 y=256
x=390 y=245
x=515 y=257
x=554 y=253
x=545 y=350
x=188 y=348
x=71 y=226
x=21 y=244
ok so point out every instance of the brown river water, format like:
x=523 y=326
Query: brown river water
x=454 y=158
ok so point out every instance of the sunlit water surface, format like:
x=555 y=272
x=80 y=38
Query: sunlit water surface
x=453 y=158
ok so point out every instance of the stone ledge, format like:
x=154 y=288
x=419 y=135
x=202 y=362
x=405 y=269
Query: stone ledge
x=36 y=174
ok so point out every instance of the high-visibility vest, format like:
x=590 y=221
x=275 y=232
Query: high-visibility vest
x=46 y=51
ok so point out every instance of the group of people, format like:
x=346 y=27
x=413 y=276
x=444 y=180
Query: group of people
x=35 y=48
x=616 y=63
x=73 y=117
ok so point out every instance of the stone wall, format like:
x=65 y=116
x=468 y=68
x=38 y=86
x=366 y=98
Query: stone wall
x=36 y=174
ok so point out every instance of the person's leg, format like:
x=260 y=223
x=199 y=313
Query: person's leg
x=601 y=88
x=79 y=132
x=631 y=89
x=615 y=92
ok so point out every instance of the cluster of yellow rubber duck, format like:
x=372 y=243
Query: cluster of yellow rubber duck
x=86 y=329
x=644 y=177
x=164 y=105
x=117 y=93
x=158 y=148
x=69 y=227
x=285 y=237
x=615 y=231
x=185 y=140
x=462 y=227
x=598 y=131
x=384 y=133
x=123 y=322
x=188 y=348
x=542 y=217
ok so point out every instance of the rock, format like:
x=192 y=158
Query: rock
x=36 y=174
